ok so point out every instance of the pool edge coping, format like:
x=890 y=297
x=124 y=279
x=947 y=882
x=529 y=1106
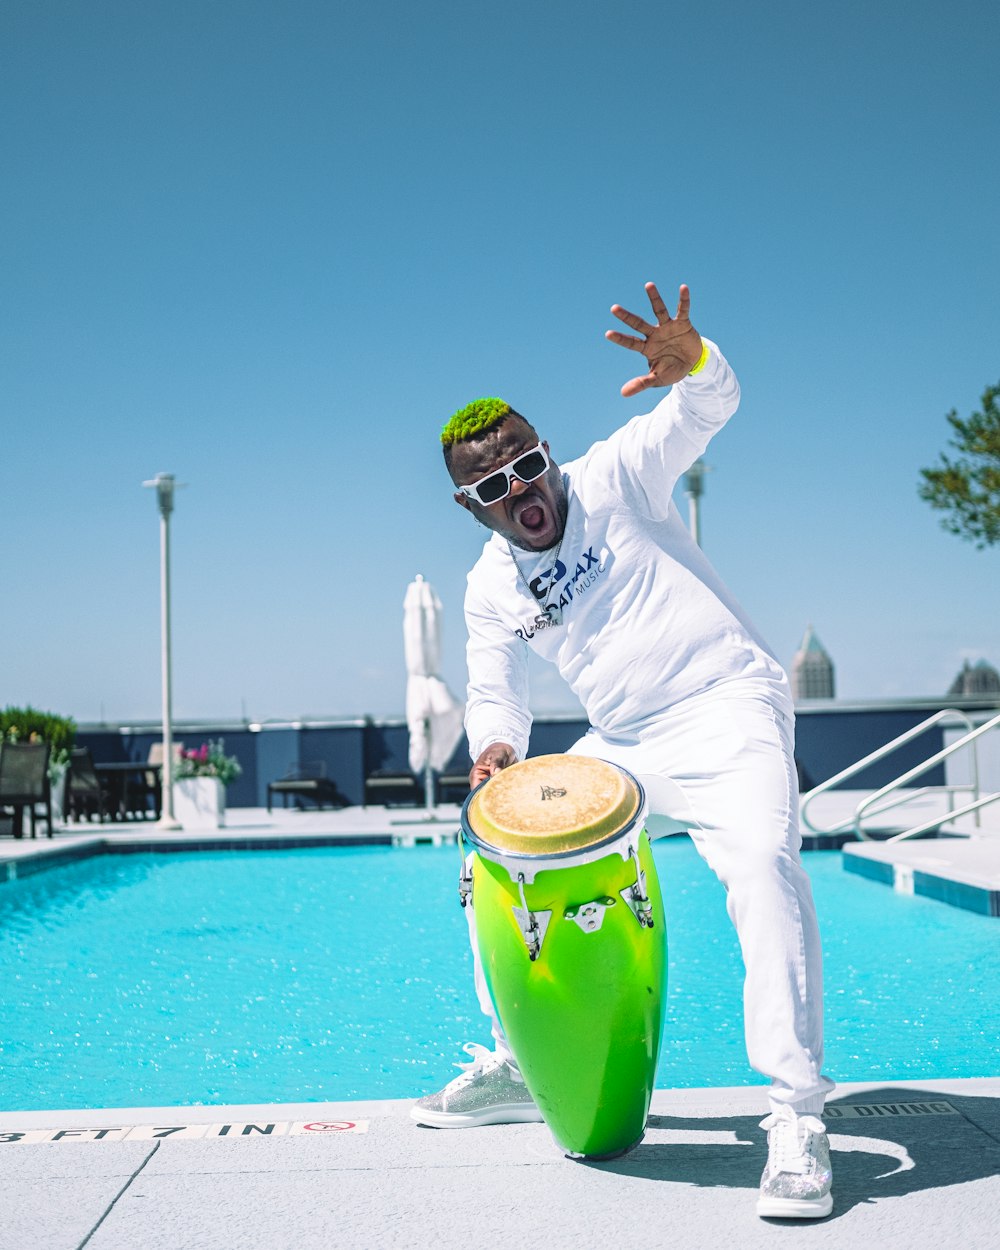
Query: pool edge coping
x=955 y=888
x=38 y=859
x=706 y=1100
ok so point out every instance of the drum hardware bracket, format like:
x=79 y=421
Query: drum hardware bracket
x=636 y=896
x=589 y=916
x=465 y=884
x=533 y=924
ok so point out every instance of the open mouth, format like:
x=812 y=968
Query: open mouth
x=531 y=518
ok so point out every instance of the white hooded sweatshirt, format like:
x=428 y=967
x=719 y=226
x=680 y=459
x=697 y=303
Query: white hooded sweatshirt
x=646 y=620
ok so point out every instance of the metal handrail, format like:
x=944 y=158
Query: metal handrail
x=937 y=822
x=913 y=773
x=879 y=754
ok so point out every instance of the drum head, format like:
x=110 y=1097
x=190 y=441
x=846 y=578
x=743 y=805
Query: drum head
x=552 y=805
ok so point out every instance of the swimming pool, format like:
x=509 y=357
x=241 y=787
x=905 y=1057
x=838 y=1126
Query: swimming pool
x=340 y=973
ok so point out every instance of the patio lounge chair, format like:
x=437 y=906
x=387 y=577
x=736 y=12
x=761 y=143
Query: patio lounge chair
x=24 y=782
x=306 y=781
x=387 y=788
x=453 y=787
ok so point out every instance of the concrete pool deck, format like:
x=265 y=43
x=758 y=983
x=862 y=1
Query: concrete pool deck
x=916 y=1164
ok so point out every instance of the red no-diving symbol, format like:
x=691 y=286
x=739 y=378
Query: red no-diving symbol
x=333 y=1126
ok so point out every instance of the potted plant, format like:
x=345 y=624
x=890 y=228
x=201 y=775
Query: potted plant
x=199 y=785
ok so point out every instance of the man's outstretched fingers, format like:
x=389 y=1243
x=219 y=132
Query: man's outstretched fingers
x=636 y=385
x=656 y=299
x=625 y=340
x=632 y=319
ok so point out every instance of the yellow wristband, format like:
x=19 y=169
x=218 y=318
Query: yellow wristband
x=702 y=360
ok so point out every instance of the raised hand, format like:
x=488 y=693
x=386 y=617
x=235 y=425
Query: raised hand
x=672 y=347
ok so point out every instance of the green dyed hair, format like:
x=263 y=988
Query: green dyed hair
x=475 y=418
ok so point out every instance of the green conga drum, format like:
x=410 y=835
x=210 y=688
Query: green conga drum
x=569 y=921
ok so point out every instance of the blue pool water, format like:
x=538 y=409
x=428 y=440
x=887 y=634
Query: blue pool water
x=244 y=977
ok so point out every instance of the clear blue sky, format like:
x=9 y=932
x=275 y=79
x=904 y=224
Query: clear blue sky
x=270 y=247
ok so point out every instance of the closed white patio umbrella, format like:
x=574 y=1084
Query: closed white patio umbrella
x=433 y=715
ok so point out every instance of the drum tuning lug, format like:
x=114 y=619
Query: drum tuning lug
x=641 y=906
x=636 y=897
x=533 y=924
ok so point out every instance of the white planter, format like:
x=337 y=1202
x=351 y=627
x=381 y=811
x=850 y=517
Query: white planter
x=57 y=784
x=200 y=802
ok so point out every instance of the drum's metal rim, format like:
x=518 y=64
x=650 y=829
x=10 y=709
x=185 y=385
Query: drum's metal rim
x=480 y=842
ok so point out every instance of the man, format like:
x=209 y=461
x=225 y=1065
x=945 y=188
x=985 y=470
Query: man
x=592 y=568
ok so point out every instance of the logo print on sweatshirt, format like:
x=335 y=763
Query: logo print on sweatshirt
x=568 y=584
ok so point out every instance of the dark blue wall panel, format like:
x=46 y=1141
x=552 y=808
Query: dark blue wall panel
x=554 y=736
x=341 y=749
x=107 y=746
x=387 y=748
x=827 y=741
x=277 y=753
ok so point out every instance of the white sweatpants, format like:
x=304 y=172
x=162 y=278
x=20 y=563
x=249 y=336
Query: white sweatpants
x=726 y=758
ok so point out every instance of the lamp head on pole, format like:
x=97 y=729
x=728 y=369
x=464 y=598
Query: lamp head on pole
x=694 y=479
x=165 y=484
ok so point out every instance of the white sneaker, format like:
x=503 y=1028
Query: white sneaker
x=796 y=1182
x=489 y=1091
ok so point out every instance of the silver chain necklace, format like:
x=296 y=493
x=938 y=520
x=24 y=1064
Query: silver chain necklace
x=553 y=613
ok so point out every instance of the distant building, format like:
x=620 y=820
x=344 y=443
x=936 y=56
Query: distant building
x=978 y=678
x=812 y=669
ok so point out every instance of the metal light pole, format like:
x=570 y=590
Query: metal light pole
x=165 y=486
x=694 y=488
